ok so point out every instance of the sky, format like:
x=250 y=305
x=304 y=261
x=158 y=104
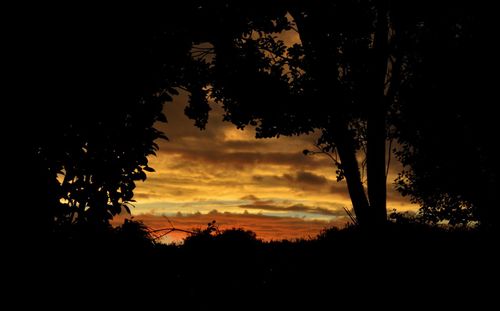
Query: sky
x=224 y=174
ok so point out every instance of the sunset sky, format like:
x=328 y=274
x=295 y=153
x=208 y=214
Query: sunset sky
x=225 y=174
x=265 y=185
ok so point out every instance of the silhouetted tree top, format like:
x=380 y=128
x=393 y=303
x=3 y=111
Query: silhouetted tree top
x=446 y=125
x=99 y=79
x=360 y=69
x=332 y=81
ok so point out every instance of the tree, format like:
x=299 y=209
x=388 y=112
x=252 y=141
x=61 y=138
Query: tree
x=338 y=80
x=357 y=69
x=446 y=125
x=99 y=80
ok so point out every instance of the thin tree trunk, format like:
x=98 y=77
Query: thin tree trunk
x=350 y=167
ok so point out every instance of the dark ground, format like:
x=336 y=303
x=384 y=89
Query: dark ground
x=401 y=267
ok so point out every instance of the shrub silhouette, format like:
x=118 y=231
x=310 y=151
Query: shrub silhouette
x=211 y=236
x=134 y=233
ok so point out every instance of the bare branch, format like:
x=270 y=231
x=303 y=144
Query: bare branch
x=351 y=216
x=159 y=233
x=388 y=159
x=328 y=154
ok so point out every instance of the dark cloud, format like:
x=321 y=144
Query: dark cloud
x=249 y=197
x=307 y=178
x=339 y=188
x=302 y=180
x=244 y=144
x=315 y=210
x=258 y=178
x=139 y=196
x=310 y=178
x=301 y=208
x=246 y=158
x=142 y=195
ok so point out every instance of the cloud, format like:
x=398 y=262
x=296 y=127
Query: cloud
x=269 y=205
x=339 y=188
x=142 y=196
x=249 y=197
x=238 y=159
x=301 y=180
x=243 y=144
x=309 y=178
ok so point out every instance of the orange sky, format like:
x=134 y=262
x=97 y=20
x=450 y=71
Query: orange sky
x=266 y=227
x=229 y=171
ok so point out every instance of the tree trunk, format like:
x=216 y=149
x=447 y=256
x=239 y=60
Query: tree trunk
x=376 y=137
x=369 y=212
x=375 y=166
x=350 y=167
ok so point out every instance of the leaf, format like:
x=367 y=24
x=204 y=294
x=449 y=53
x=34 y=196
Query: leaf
x=149 y=169
x=162 y=136
x=127 y=209
x=165 y=97
x=141 y=175
x=172 y=91
x=161 y=117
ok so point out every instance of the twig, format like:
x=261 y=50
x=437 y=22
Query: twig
x=321 y=151
x=164 y=231
x=353 y=218
x=168 y=219
x=171 y=230
x=388 y=159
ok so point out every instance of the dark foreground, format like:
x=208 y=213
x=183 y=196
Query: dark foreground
x=399 y=266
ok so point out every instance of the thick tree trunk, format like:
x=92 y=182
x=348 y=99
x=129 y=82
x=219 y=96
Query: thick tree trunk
x=375 y=161
x=323 y=65
x=375 y=166
x=369 y=211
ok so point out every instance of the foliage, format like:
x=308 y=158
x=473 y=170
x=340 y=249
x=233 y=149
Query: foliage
x=445 y=126
x=134 y=233
x=107 y=85
x=212 y=236
x=332 y=81
x=377 y=70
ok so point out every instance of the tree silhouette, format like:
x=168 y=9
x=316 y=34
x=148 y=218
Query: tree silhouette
x=446 y=126
x=340 y=79
x=100 y=80
x=359 y=66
